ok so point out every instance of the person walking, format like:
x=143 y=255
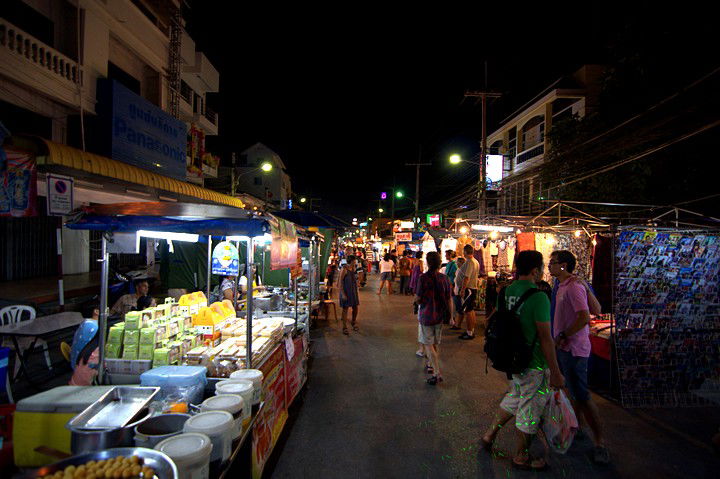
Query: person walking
x=572 y=338
x=416 y=271
x=457 y=300
x=433 y=299
x=528 y=391
x=349 y=294
x=386 y=268
x=405 y=268
x=468 y=291
x=394 y=259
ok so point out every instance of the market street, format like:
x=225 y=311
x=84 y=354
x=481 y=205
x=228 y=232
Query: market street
x=368 y=412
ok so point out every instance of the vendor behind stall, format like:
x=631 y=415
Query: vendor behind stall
x=129 y=302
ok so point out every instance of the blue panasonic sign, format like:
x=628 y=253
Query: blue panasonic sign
x=139 y=133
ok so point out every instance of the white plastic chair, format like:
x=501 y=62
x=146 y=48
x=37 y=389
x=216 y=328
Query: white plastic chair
x=16 y=314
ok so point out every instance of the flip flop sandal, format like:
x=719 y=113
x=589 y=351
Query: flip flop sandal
x=432 y=381
x=345 y=331
x=429 y=369
x=355 y=328
x=528 y=465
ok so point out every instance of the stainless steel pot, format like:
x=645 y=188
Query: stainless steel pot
x=91 y=440
x=152 y=431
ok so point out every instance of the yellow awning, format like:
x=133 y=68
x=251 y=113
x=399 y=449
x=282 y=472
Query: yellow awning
x=69 y=157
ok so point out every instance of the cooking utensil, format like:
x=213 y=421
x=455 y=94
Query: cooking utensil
x=163 y=466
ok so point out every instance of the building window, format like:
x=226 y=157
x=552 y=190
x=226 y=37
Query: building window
x=258 y=180
x=186 y=92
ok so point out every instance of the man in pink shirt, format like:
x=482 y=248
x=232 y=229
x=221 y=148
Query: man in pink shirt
x=572 y=339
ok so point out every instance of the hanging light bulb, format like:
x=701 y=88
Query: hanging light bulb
x=594 y=242
x=493 y=235
x=577 y=233
x=463 y=229
x=518 y=231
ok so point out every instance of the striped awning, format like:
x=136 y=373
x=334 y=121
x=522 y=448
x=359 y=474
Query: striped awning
x=70 y=157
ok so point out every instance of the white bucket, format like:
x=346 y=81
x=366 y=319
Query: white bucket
x=191 y=454
x=218 y=426
x=232 y=403
x=254 y=375
x=242 y=387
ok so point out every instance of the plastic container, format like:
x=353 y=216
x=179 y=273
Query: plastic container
x=232 y=403
x=218 y=426
x=191 y=454
x=254 y=375
x=241 y=387
x=156 y=429
x=187 y=381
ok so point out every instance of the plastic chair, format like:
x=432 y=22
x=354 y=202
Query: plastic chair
x=326 y=306
x=14 y=315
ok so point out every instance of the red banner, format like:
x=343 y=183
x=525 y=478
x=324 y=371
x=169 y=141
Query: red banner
x=18 y=185
x=283 y=251
x=271 y=421
x=295 y=371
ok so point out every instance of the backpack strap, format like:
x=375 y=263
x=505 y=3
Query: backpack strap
x=524 y=298
x=501 y=300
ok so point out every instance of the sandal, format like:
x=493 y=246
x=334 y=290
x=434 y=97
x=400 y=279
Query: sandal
x=429 y=369
x=345 y=331
x=531 y=464
x=355 y=328
x=433 y=380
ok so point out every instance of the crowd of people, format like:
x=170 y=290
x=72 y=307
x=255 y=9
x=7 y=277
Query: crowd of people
x=554 y=328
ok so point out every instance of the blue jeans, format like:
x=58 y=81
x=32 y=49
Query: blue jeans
x=574 y=368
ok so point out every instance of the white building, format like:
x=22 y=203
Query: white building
x=274 y=186
x=52 y=54
x=521 y=137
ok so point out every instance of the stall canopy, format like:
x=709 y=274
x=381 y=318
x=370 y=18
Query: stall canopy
x=173 y=218
x=308 y=219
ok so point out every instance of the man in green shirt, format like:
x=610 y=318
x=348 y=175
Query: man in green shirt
x=528 y=393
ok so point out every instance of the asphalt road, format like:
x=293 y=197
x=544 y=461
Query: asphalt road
x=368 y=412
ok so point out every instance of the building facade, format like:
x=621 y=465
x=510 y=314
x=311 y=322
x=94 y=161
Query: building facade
x=523 y=142
x=274 y=186
x=56 y=58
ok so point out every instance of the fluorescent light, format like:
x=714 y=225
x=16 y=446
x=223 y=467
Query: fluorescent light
x=139 y=193
x=88 y=184
x=500 y=229
x=188 y=237
x=237 y=238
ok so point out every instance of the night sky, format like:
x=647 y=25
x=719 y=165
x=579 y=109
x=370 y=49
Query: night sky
x=347 y=95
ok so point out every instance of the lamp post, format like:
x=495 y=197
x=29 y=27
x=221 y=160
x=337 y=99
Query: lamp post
x=266 y=167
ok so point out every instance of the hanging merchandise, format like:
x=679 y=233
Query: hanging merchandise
x=487 y=257
x=511 y=249
x=448 y=244
x=580 y=247
x=502 y=261
x=481 y=294
x=461 y=242
x=525 y=241
x=546 y=243
x=428 y=246
x=602 y=270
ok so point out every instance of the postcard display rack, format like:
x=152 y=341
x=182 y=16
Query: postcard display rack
x=667 y=317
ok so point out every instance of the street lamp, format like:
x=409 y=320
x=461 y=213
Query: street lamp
x=303 y=199
x=380 y=210
x=267 y=167
x=455 y=159
x=399 y=194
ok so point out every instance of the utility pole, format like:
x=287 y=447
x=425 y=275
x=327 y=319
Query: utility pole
x=417 y=179
x=483 y=95
x=232 y=176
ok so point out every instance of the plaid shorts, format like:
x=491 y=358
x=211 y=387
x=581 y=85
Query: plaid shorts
x=527 y=398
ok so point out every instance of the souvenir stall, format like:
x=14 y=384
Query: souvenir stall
x=667 y=312
x=220 y=369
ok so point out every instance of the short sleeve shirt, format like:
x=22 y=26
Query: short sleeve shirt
x=430 y=311
x=386 y=266
x=470 y=270
x=571 y=298
x=405 y=267
x=535 y=309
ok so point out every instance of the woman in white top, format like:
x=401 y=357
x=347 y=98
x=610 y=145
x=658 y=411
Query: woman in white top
x=386 y=268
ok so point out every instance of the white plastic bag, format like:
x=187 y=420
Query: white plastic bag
x=559 y=422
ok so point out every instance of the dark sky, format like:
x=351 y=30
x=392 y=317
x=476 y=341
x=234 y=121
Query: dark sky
x=347 y=94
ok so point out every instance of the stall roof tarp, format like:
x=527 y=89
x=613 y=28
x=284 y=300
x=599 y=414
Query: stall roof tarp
x=308 y=219
x=69 y=157
x=173 y=218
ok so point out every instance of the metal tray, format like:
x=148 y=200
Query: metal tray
x=164 y=466
x=115 y=409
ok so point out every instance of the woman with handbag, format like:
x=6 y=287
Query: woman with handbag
x=433 y=300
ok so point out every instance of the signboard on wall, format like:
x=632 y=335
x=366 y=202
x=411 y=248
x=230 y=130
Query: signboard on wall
x=18 y=185
x=59 y=195
x=403 y=237
x=494 y=170
x=139 y=133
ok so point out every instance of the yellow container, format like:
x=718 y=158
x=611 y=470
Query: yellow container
x=40 y=420
x=208 y=321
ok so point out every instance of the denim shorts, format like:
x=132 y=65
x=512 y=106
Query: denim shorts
x=385 y=276
x=575 y=370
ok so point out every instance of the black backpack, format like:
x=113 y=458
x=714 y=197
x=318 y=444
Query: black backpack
x=505 y=344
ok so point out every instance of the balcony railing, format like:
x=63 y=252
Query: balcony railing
x=530 y=153
x=210 y=115
x=20 y=43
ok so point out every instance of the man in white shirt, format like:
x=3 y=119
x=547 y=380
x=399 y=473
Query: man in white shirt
x=468 y=292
